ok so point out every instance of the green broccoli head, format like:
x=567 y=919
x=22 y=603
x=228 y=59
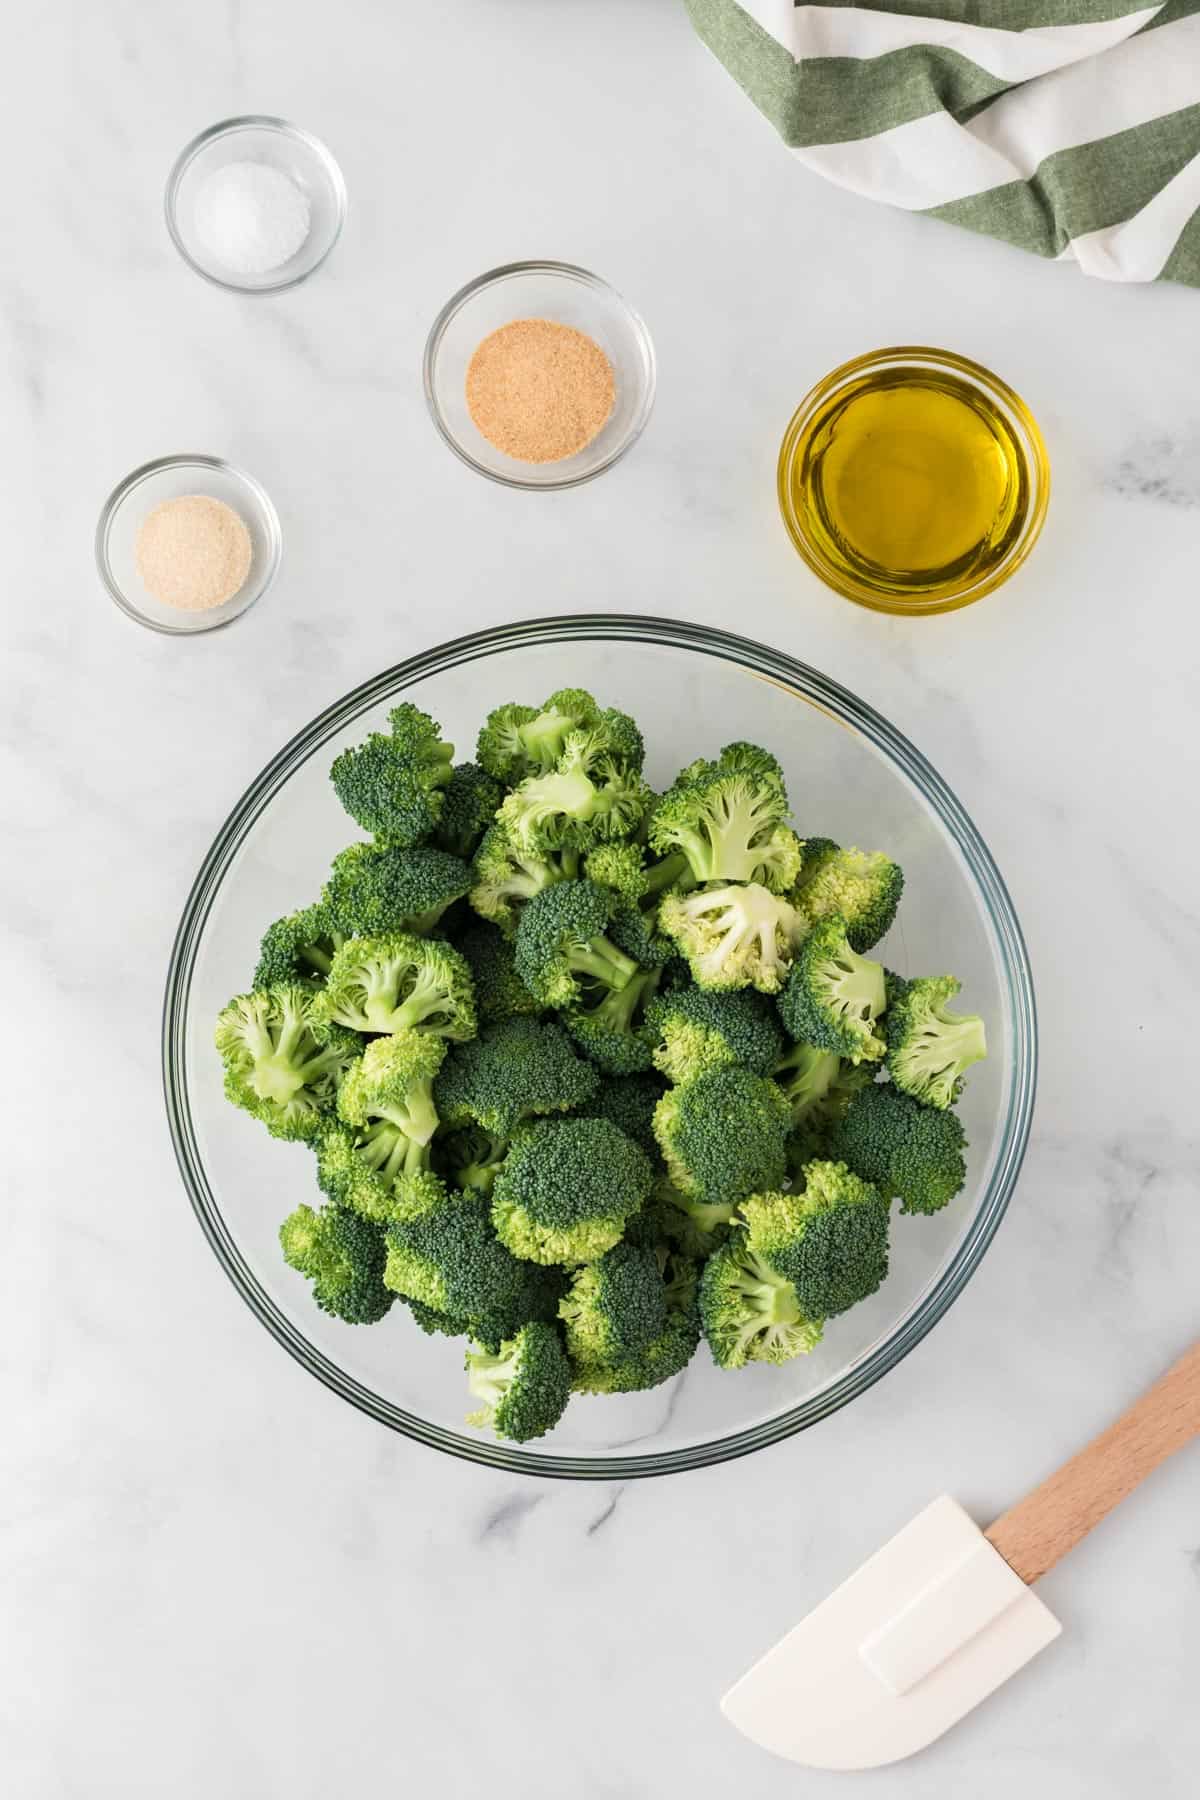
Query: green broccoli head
x=451 y=1260
x=514 y=1070
x=722 y=1135
x=667 y=1352
x=830 y=1240
x=297 y=948
x=567 y=1188
x=614 y=1307
x=834 y=996
x=499 y=991
x=561 y=942
x=524 y=1387
x=471 y=800
x=696 y=1029
x=748 y=1313
x=518 y=741
x=393 y=784
x=504 y=877
x=275 y=1068
x=729 y=819
x=342 y=1255
x=608 y=1026
x=393 y=1081
x=591 y=796
x=902 y=1148
x=929 y=1047
x=378 y=1171
x=374 y=889
x=733 y=936
x=398 y=982
x=861 y=888
x=629 y=1102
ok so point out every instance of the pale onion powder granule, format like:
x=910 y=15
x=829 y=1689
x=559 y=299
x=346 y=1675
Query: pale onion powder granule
x=193 y=553
x=539 y=391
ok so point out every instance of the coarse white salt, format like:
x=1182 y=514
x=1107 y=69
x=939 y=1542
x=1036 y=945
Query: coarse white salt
x=251 y=217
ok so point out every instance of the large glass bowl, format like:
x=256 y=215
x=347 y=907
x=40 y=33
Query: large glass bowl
x=853 y=777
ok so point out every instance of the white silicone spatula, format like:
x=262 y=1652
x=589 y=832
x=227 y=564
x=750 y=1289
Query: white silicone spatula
x=944 y=1613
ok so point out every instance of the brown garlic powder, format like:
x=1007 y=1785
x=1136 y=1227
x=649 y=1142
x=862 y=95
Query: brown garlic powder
x=539 y=391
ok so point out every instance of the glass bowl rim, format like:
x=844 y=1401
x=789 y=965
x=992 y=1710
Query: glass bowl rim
x=757 y=659
x=181 y=460
x=916 y=356
x=492 y=278
x=226 y=128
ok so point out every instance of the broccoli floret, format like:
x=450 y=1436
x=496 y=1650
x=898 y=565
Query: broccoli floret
x=729 y=818
x=567 y=1188
x=669 y=1354
x=608 y=1026
x=561 y=937
x=830 y=1240
x=393 y=1081
x=748 y=1313
x=834 y=996
x=393 y=784
x=297 y=948
x=275 y=1068
x=450 y=1259
x=398 y=982
x=733 y=937
x=517 y=741
x=695 y=1029
x=517 y=1069
x=902 y=1148
x=722 y=1135
x=629 y=1102
x=861 y=888
x=929 y=1048
x=342 y=1255
x=378 y=1171
x=504 y=877
x=471 y=800
x=590 y=797
x=374 y=889
x=614 y=1306
x=499 y=991
x=666 y=1354
x=524 y=1387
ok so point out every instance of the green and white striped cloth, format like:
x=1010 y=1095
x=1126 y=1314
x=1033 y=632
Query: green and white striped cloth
x=1068 y=127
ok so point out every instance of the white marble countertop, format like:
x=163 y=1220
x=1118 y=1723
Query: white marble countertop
x=218 y=1579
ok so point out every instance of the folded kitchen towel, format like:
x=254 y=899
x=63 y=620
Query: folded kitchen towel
x=1068 y=127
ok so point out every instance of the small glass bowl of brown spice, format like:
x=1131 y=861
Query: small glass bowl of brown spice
x=539 y=375
x=187 y=544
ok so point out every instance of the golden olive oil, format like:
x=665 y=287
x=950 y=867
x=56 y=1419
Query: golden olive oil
x=911 y=487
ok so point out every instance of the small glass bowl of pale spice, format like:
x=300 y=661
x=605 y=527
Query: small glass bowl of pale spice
x=187 y=543
x=539 y=375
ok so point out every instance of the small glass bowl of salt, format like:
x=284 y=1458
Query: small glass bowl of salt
x=255 y=204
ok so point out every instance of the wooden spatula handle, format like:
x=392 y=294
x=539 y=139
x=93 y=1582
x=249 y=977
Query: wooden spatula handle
x=1035 y=1533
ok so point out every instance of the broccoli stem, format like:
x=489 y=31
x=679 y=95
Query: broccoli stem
x=672 y=871
x=603 y=962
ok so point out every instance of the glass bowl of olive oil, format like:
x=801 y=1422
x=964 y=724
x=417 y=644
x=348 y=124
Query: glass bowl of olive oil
x=913 y=480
